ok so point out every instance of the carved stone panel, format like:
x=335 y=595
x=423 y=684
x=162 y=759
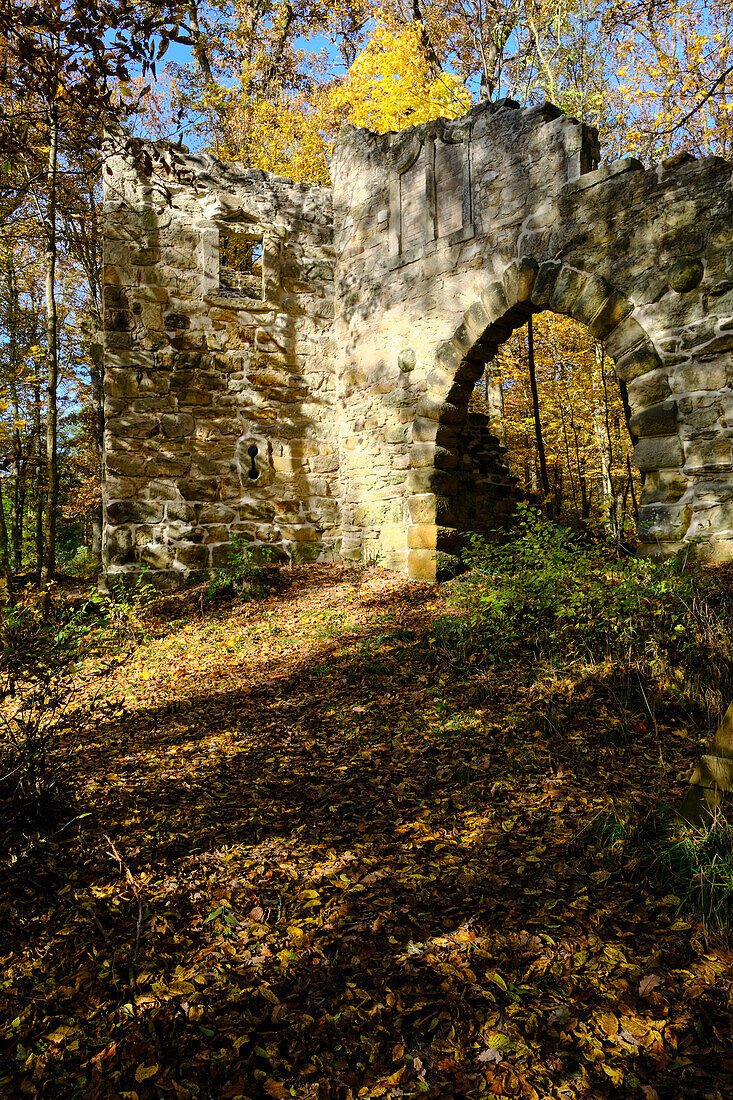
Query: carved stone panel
x=412 y=203
x=449 y=186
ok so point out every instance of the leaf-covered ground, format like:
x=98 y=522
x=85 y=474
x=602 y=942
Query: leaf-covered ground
x=357 y=870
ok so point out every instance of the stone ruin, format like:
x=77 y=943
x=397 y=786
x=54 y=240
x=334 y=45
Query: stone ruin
x=293 y=364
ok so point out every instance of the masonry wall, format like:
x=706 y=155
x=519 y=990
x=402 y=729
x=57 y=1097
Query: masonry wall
x=442 y=256
x=413 y=248
x=220 y=411
x=320 y=402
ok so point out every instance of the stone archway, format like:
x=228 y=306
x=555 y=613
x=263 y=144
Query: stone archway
x=441 y=432
x=442 y=254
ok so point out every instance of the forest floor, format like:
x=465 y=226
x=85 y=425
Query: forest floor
x=356 y=868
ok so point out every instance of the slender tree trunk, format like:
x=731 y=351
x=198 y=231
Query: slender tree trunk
x=40 y=467
x=5 y=568
x=537 y=423
x=52 y=470
x=96 y=376
x=17 y=494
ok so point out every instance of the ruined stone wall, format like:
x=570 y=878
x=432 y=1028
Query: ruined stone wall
x=418 y=218
x=428 y=287
x=249 y=392
x=219 y=380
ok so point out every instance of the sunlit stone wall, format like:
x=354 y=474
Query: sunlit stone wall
x=294 y=365
x=220 y=391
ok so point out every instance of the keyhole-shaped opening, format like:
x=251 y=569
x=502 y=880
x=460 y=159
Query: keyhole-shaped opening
x=253 y=473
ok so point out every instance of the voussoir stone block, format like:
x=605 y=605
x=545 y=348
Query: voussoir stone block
x=545 y=284
x=568 y=287
x=591 y=299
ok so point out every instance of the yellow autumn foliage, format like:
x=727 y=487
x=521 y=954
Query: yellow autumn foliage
x=392 y=85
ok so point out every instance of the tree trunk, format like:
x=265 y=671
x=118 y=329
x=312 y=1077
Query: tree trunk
x=17 y=494
x=52 y=471
x=39 y=486
x=537 y=423
x=96 y=378
x=5 y=569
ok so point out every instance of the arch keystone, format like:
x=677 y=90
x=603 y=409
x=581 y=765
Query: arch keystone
x=527 y=269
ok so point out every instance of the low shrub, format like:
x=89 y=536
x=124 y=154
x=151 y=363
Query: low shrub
x=565 y=598
x=39 y=649
x=249 y=572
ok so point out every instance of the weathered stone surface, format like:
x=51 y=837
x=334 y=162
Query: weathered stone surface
x=328 y=404
x=685 y=274
x=658 y=419
x=659 y=453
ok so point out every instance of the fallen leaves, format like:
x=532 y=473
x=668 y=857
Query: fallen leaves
x=346 y=892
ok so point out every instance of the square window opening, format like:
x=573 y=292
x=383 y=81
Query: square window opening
x=240 y=266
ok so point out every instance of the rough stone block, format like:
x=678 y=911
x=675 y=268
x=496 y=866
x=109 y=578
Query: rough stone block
x=566 y=291
x=428 y=508
x=637 y=362
x=591 y=300
x=423 y=536
x=430 y=480
x=663 y=521
x=698 y=376
x=648 y=389
x=613 y=325
x=378 y=512
x=658 y=419
x=545 y=284
x=138 y=511
x=659 y=453
x=494 y=302
x=708 y=452
x=422 y=454
x=716 y=520
x=527 y=269
x=422 y=565
x=663 y=485
x=619 y=331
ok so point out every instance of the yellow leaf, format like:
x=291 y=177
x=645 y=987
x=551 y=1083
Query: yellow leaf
x=143 y=1072
x=608 y=1023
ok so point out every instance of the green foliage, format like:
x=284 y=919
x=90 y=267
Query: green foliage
x=127 y=605
x=248 y=572
x=39 y=649
x=690 y=865
x=565 y=598
x=701 y=861
x=81 y=562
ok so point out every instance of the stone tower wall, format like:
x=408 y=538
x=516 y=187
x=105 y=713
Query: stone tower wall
x=196 y=377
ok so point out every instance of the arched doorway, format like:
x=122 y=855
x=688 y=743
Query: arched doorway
x=451 y=493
